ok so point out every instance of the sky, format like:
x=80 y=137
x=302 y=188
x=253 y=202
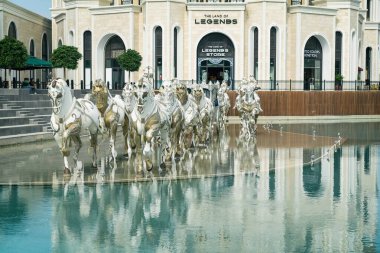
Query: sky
x=41 y=7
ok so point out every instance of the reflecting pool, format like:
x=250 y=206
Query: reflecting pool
x=296 y=188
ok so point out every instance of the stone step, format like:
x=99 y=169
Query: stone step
x=9 y=113
x=26 y=104
x=9 y=121
x=35 y=111
x=10 y=105
x=21 y=129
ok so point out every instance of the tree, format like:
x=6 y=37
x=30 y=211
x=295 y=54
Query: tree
x=130 y=61
x=13 y=53
x=65 y=57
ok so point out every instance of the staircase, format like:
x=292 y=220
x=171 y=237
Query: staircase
x=24 y=117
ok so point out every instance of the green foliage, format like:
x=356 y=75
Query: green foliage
x=66 y=57
x=338 y=77
x=130 y=60
x=13 y=53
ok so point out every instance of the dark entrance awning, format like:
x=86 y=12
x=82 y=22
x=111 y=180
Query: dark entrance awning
x=35 y=63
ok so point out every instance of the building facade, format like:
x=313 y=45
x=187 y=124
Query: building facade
x=33 y=30
x=309 y=42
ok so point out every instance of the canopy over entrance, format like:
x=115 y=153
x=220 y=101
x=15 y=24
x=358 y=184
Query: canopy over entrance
x=35 y=63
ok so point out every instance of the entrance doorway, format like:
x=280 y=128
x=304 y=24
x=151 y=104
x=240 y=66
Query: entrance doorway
x=313 y=65
x=114 y=73
x=215 y=59
x=215 y=72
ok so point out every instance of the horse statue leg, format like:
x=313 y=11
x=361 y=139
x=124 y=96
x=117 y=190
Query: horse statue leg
x=111 y=120
x=126 y=130
x=63 y=146
x=94 y=145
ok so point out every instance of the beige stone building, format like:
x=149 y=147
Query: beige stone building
x=33 y=30
x=308 y=42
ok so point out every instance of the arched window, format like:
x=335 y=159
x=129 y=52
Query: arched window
x=369 y=3
x=87 y=55
x=31 y=48
x=114 y=73
x=45 y=56
x=338 y=53
x=12 y=32
x=368 y=63
x=272 y=57
x=255 y=52
x=60 y=43
x=175 y=53
x=44 y=47
x=158 y=56
x=313 y=56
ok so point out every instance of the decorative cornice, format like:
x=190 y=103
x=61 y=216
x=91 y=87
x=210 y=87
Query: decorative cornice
x=215 y=6
x=59 y=17
x=372 y=26
x=114 y=9
x=13 y=9
x=344 y=4
x=312 y=10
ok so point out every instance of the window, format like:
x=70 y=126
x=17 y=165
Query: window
x=45 y=56
x=158 y=56
x=338 y=53
x=255 y=52
x=87 y=55
x=369 y=9
x=368 y=62
x=12 y=31
x=31 y=48
x=272 y=57
x=175 y=53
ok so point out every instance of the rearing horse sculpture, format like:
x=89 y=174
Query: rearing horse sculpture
x=223 y=104
x=248 y=105
x=129 y=105
x=205 y=110
x=176 y=114
x=149 y=120
x=70 y=117
x=191 y=114
x=111 y=111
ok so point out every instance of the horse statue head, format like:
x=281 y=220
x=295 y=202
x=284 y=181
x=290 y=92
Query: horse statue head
x=144 y=93
x=60 y=96
x=198 y=93
x=168 y=92
x=100 y=92
x=181 y=92
x=129 y=98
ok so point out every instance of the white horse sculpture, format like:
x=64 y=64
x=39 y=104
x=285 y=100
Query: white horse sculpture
x=70 y=118
x=248 y=105
x=176 y=114
x=112 y=113
x=191 y=114
x=223 y=104
x=129 y=105
x=149 y=120
x=205 y=110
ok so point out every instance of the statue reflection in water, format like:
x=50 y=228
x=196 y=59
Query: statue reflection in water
x=137 y=216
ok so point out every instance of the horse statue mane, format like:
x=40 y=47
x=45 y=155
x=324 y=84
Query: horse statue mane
x=112 y=110
x=61 y=96
x=101 y=93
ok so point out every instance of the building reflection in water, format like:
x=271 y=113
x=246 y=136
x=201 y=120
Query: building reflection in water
x=244 y=196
